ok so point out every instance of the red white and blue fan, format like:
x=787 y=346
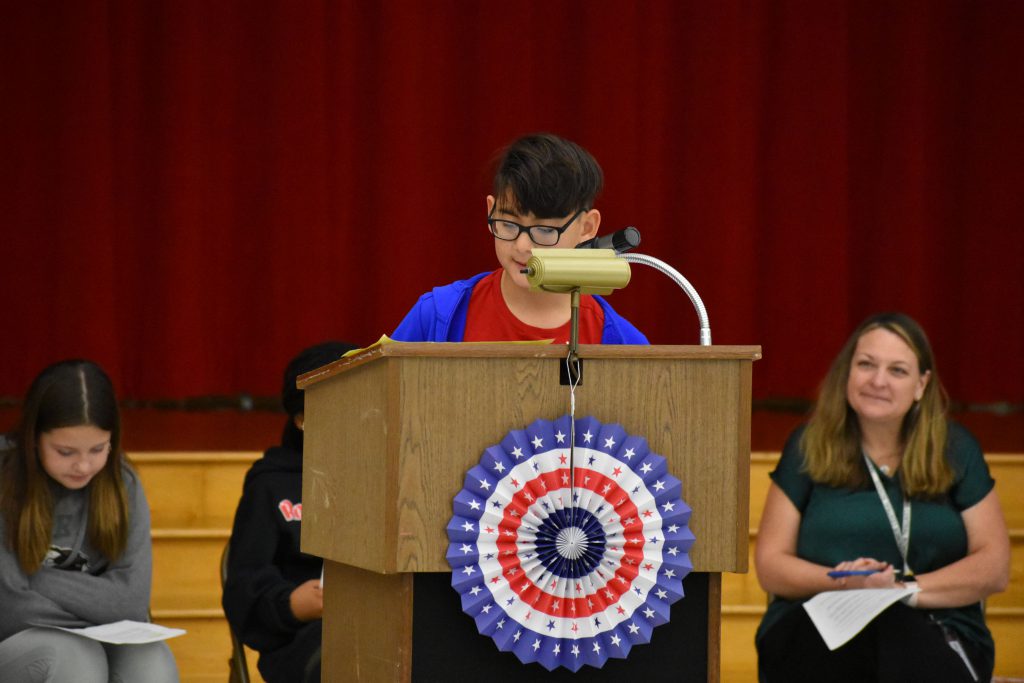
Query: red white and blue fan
x=569 y=575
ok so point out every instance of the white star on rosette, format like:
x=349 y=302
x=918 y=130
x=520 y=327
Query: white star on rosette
x=587 y=436
x=609 y=442
x=560 y=436
x=538 y=442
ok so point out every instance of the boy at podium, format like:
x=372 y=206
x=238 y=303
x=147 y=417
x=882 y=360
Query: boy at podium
x=544 y=191
x=272 y=595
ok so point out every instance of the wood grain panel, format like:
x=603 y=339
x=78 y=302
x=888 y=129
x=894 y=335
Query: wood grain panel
x=349 y=486
x=202 y=654
x=739 y=658
x=694 y=411
x=1008 y=471
x=1008 y=631
x=186 y=571
x=367 y=625
x=193 y=490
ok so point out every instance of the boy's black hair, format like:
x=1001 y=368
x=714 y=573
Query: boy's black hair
x=546 y=175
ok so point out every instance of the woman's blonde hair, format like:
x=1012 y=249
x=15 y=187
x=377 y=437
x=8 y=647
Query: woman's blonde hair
x=832 y=440
x=68 y=394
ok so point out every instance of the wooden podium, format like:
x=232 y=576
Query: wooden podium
x=391 y=432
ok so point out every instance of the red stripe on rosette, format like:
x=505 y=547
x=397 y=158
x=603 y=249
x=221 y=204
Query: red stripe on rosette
x=587 y=604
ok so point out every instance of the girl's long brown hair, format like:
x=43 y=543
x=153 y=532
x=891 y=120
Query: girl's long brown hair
x=832 y=440
x=68 y=394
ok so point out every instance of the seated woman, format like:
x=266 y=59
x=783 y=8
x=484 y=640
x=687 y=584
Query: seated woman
x=74 y=537
x=879 y=480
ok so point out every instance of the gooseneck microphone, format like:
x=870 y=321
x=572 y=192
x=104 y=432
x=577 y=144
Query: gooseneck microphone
x=621 y=241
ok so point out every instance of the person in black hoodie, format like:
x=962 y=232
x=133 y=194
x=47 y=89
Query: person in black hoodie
x=272 y=596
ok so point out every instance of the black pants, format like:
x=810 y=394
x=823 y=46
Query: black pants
x=297 y=662
x=900 y=645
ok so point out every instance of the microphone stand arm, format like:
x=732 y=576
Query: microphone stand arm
x=676 y=276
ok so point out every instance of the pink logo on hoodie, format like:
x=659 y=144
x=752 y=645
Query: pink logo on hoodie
x=292 y=512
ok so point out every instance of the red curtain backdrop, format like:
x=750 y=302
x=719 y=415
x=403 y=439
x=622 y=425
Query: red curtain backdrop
x=193 y=191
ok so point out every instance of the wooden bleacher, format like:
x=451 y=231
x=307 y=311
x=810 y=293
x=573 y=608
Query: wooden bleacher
x=193 y=496
x=192 y=499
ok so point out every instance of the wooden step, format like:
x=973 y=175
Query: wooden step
x=186 y=569
x=1007 y=628
x=739 y=657
x=193 y=490
x=202 y=653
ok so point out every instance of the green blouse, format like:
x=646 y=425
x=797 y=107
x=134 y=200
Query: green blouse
x=838 y=524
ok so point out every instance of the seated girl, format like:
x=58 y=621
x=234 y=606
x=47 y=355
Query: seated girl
x=74 y=537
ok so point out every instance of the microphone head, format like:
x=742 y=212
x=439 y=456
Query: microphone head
x=620 y=241
x=626 y=239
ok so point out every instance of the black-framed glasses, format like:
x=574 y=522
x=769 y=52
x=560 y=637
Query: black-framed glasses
x=541 y=235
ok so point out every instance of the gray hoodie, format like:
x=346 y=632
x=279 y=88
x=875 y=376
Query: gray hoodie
x=77 y=586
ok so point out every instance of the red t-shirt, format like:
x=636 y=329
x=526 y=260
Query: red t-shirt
x=489 y=319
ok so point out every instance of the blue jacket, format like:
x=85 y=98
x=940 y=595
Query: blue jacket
x=440 y=316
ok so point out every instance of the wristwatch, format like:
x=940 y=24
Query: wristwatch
x=910 y=600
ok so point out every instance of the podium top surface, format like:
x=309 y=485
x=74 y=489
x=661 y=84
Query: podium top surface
x=525 y=350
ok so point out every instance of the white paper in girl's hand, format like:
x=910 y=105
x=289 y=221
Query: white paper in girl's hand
x=126 y=632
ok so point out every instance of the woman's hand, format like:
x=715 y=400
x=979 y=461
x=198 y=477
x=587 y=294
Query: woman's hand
x=884 y=575
x=307 y=601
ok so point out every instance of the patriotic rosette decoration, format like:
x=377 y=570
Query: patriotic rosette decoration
x=567 y=561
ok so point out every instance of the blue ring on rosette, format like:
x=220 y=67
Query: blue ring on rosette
x=567 y=576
